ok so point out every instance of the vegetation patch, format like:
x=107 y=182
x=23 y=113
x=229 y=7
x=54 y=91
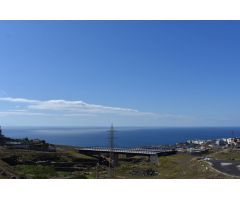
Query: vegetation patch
x=37 y=171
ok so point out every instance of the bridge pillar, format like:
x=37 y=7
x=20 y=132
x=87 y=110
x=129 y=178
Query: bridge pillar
x=115 y=159
x=154 y=159
x=122 y=156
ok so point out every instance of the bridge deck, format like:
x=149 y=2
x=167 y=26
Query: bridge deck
x=135 y=151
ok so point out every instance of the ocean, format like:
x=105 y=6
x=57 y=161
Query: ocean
x=124 y=137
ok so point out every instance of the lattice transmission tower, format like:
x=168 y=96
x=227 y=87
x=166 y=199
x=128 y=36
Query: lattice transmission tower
x=111 y=170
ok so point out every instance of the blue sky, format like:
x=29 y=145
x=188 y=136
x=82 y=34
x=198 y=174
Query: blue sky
x=131 y=73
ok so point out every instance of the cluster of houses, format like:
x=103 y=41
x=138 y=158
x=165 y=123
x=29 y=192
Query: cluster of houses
x=36 y=144
x=198 y=147
x=217 y=143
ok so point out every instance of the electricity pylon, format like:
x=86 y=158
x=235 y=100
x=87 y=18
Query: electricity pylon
x=111 y=152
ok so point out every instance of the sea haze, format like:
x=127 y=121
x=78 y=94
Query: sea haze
x=124 y=137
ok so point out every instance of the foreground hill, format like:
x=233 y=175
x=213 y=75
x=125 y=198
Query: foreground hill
x=66 y=162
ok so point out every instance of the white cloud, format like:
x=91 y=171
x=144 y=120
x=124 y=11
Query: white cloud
x=72 y=108
x=77 y=106
x=69 y=112
x=22 y=113
x=18 y=100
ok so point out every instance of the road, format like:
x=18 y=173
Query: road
x=227 y=166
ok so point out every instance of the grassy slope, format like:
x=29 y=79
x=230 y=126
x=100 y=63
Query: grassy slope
x=180 y=166
x=228 y=154
x=177 y=166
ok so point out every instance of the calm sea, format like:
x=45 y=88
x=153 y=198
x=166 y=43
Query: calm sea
x=124 y=137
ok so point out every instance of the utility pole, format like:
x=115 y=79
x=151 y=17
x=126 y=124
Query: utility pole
x=111 y=152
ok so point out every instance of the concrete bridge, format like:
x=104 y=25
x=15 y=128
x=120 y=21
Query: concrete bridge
x=152 y=154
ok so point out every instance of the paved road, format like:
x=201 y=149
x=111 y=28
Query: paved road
x=226 y=166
